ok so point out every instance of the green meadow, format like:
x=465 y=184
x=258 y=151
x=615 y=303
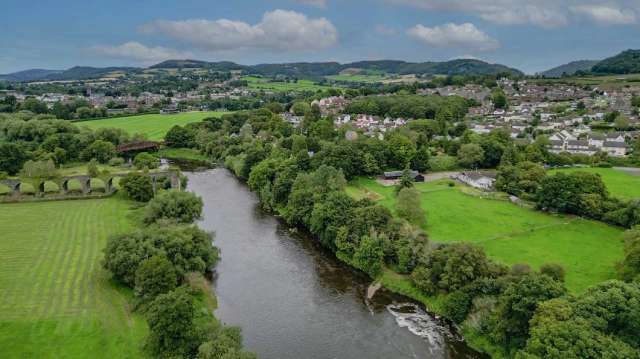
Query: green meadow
x=620 y=183
x=358 y=78
x=511 y=234
x=56 y=299
x=155 y=126
x=260 y=83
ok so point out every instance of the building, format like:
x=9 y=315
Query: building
x=395 y=175
x=615 y=149
x=483 y=181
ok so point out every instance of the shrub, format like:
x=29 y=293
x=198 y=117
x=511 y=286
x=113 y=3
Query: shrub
x=146 y=160
x=92 y=168
x=137 y=186
x=457 y=305
x=553 y=270
x=116 y=161
x=182 y=207
x=450 y=268
x=155 y=276
x=171 y=328
x=408 y=206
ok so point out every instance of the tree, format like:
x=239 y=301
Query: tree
x=517 y=305
x=179 y=137
x=182 y=207
x=450 y=268
x=300 y=108
x=227 y=344
x=33 y=105
x=421 y=160
x=12 y=157
x=102 y=151
x=621 y=122
x=580 y=193
x=92 y=168
x=171 y=328
x=629 y=268
x=408 y=206
x=137 y=187
x=557 y=334
x=155 y=276
x=406 y=180
x=470 y=155
x=146 y=160
x=499 y=99
x=369 y=255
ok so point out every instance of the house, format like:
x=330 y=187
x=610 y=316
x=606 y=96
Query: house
x=483 y=181
x=615 y=137
x=395 y=175
x=580 y=147
x=615 y=149
x=596 y=139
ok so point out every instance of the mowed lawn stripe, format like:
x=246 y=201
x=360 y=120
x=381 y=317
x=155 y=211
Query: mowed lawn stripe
x=62 y=303
x=588 y=250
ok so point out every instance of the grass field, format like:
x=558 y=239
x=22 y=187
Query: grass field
x=620 y=184
x=265 y=84
x=510 y=234
x=56 y=300
x=155 y=126
x=358 y=78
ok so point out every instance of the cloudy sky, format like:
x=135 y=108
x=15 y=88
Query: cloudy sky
x=532 y=35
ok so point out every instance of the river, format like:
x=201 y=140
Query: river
x=294 y=299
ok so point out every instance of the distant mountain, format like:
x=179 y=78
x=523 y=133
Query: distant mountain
x=319 y=69
x=29 y=75
x=74 y=73
x=626 y=62
x=190 y=64
x=298 y=69
x=570 y=68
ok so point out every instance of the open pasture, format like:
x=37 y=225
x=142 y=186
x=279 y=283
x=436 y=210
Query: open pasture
x=588 y=250
x=56 y=299
x=620 y=183
x=155 y=126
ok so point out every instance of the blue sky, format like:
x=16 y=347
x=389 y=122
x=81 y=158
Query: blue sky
x=529 y=35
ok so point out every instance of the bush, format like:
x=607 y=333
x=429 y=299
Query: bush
x=553 y=270
x=457 y=305
x=116 y=161
x=179 y=136
x=155 y=276
x=171 y=328
x=450 y=268
x=92 y=168
x=146 y=160
x=409 y=207
x=137 y=186
x=102 y=151
x=182 y=207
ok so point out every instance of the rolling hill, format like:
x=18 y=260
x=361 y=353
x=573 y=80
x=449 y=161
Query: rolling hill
x=570 y=68
x=308 y=70
x=626 y=62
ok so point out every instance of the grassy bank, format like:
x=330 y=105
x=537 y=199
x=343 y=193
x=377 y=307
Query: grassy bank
x=57 y=301
x=588 y=250
x=154 y=126
x=620 y=184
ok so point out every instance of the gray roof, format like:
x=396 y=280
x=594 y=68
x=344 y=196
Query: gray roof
x=578 y=143
x=615 y=144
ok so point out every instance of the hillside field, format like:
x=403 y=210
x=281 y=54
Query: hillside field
x=56 y=299
x=155 y=126
x=265 y=84
x=510 y=234
x=620 y=183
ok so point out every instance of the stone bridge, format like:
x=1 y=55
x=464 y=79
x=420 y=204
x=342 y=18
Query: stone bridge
x=85 y=182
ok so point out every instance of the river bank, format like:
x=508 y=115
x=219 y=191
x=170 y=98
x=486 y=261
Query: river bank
x=285 y=291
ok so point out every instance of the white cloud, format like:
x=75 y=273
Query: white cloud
x=452 y=35
x=544 y=13
x=385 y=30
x=279 y=30
x=606 y=15
x=316 y=3
x=138 y=52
